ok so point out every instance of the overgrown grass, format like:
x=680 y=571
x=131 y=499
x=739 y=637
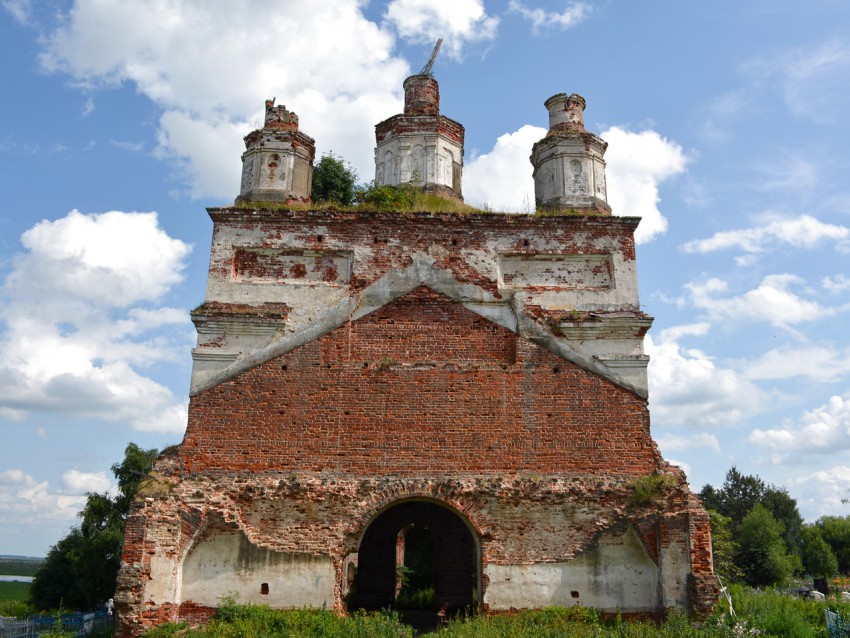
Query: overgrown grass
x=256 y=621
x=764 y=614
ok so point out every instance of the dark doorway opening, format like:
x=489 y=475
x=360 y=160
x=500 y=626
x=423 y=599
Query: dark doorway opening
x=417 y=556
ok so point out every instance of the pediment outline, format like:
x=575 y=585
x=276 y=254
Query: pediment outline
x=506 y=311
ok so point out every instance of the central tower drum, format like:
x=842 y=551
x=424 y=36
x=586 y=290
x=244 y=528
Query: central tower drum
x=420 y=146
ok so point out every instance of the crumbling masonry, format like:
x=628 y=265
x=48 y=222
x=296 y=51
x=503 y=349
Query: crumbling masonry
x=360 y=373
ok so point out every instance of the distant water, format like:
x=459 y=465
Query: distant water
x=9 y=579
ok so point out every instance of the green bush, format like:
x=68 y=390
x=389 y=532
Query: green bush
x=647 y=489
x=15 y=609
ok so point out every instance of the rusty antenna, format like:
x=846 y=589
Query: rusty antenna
x=427 y=68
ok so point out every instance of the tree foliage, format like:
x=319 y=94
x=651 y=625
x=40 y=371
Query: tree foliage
x=723 y=547
x=81 y=569
x=741 y=492
x=835 y=530
x=333 y=181
x=818 y=558
x=762 y=555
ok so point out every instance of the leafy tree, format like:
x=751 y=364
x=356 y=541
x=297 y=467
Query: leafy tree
x=739 y=494
x=333 y=181
x=817 y=554
x=711 y=498
x=723 y=547
x=81 y=569
x=784 y=509
x=835 y=530
x=762 y=556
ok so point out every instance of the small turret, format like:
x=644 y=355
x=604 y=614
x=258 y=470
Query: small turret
x=569 y=169
x=278 y=163
x=420 y=146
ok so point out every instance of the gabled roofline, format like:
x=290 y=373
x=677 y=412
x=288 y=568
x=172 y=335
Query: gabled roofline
x=397 y=283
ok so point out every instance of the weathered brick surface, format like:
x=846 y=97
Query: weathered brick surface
x=418 y=401
x=421 y=386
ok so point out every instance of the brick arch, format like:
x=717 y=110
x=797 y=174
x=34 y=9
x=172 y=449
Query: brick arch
x=458 y=564
x=437 y=493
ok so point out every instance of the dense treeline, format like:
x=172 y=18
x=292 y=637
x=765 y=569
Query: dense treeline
x=759 y=537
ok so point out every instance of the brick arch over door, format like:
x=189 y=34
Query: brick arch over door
x=457 y=568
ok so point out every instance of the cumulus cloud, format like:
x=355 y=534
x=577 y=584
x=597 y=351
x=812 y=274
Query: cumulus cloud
x=671 y=443
x=821 y=493
x=689 y=389
x=801 y=232
x=23 y=500
x=457 y=21
x=210 y=72
x=81 y=318
x=77 y=482
x=836 y=285
x=772 y=301
x=501 y=179
x=573 y=14
x=637 y=164
x=818 y=363
x=824 y=430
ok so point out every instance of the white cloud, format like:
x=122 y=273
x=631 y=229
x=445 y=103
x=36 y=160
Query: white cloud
x=210 y=72
x=502 y=179
x=77 y=482
x=671 y=443
x=771 y=301
x=809 y=79
x=457 y=21
x=573 y=14
x=824 y=430
x=81 y=315
x=688 y=389
x=801 y=232
x=837 y=284
x=20 y=9
x=815 y=362
x=112 y=259
x=637 y=164
x=23 y=500
x=675 y=333
x=821 y=493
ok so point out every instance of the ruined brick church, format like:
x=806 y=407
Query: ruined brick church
x=477 y=377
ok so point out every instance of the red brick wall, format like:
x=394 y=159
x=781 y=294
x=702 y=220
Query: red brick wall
x=420 y=387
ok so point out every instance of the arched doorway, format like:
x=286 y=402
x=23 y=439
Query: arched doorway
x=417 y=554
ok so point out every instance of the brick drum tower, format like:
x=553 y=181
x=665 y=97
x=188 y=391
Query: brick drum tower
x=470 y=384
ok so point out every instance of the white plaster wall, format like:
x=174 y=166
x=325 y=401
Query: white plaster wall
x=675 y=567
x=431 y=156
x=162 y=586
x=226 y=563
x=617 y=574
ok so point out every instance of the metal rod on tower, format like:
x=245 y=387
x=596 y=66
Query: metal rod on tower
x=427 y=69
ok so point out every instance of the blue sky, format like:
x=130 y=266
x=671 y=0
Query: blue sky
x=728 y=133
